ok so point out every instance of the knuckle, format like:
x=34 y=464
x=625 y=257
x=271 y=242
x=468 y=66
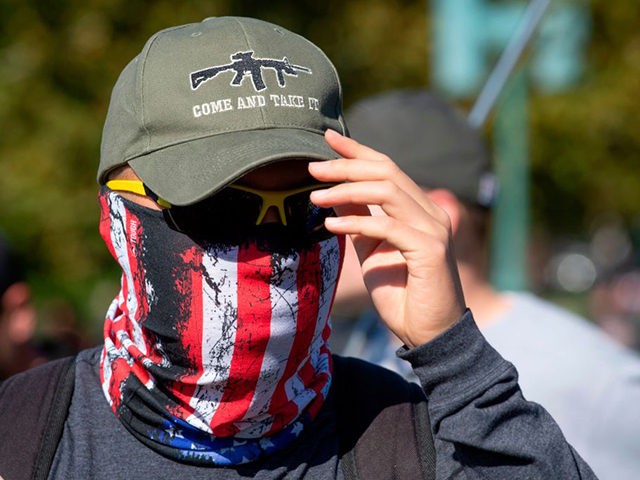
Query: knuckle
x=386 y=223
x=444 y=232
x=388 y=188
x=445 y=222
x=390 y=168
x=439 y=248
x=384 y=158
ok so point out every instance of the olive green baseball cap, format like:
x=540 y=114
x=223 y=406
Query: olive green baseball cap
x=207 y=102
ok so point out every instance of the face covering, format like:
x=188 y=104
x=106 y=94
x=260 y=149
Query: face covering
x=214 y=354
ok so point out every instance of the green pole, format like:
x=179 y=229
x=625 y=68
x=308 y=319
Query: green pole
x=510 y=230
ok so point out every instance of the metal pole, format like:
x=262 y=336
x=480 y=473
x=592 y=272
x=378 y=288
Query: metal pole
x=512 y=52
x=510 y=228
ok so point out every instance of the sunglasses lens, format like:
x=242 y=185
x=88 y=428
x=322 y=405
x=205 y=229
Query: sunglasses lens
x=230 y=216
x=305 y=217
x=226 y=216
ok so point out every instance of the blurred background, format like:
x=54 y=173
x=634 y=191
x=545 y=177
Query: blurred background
x=565 y=129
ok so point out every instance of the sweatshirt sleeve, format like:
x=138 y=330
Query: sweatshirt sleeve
x=483 y=427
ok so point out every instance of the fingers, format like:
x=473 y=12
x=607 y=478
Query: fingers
x=348 y=147
x=403 y=239
x=406 y=238
x=393 y=201
x=368 y=180
x=361 y=164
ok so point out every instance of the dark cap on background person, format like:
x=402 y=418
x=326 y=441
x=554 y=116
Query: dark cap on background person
x=429 y=139
x=207 y=102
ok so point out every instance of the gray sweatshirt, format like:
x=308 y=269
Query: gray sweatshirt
x=482 y=426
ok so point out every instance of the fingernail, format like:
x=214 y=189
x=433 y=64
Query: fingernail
x=335 y=221
x=318 y=194
x=331 y=132
x=317 y=166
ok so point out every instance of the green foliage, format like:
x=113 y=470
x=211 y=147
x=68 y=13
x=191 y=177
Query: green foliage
x=586 y=148
x=59 y=61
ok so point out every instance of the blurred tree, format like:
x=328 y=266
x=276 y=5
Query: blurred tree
x=59 y=61
x=586 y=149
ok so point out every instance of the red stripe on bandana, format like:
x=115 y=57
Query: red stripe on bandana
x=252 y=336
x=188 y=284
x=309 y=283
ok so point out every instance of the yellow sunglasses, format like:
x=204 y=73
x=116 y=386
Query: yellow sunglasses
x=239 y=206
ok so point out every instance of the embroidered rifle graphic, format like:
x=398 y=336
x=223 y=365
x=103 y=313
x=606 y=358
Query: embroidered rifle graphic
x=244 y=65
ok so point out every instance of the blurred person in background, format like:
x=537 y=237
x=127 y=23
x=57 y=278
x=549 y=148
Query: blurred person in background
x=27 y=337
x=589 y=384
x=614 y=303
x=17 y=315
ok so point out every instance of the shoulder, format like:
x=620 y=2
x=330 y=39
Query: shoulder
x=356 y=377
x=50 y=371
x=534 y=319
x=33 y=407
x=363 y=369
x=377 y=406
x=523 y=302
x=557 y=351
x=37 y=377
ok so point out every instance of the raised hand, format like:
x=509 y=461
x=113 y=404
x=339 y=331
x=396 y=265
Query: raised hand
x=405 y=247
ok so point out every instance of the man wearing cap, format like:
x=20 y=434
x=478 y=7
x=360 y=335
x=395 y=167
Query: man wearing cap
x=215 y=361
x=588 y=383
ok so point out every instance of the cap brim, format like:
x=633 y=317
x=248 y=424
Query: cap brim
x=188 y=172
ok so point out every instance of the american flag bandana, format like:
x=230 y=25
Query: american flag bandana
x=214 y=354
